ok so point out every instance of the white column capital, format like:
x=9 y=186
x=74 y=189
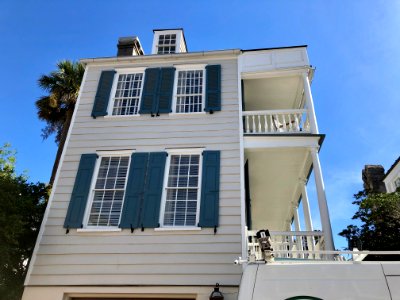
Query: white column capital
x=314 y=149
x=302 y=181
x=305 y=74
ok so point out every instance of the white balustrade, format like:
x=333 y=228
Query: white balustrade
x=276 y=121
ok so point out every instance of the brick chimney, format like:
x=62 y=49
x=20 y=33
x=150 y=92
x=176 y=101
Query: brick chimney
x=129 y=46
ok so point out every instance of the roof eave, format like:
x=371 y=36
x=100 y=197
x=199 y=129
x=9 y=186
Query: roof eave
x=274 y=48
x=234 y=52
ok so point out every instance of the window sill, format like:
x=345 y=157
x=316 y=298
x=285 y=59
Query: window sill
x=180 y=115
x=121 y=116
x=98 y=230
x=177 y=229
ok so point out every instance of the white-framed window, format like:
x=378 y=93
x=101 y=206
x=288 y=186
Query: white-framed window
x=189 y=89
x=126 y=92
x=397 y=183
x=166 y=43
x=181 y=194
x=108 y=190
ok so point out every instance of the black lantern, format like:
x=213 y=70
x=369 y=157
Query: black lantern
x=216 y=294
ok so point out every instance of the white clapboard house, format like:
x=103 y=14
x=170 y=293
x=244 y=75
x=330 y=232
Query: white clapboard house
x=392 y=177
x=173 y=162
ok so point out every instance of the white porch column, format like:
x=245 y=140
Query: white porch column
x=307 y=215
x=299 y=242
x=322 y=204
x=310 y=104
x=306 y=207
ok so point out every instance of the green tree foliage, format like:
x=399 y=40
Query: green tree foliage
x=62 y=86
x=22 y=206
x=380 y=222
x=7 y=159
x=57 y=107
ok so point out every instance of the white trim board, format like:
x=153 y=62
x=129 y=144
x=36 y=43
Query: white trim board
x=254 y=142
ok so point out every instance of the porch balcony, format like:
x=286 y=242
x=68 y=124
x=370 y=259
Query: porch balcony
x=278 y=103
x=276 y=180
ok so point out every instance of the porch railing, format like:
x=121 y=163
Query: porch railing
x=303 y=245
x=276 y=121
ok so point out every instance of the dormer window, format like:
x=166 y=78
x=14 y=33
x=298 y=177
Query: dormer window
x=168 y=41
x=166 y=44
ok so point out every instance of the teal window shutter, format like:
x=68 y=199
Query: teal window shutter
x=213 y=88
x=209 y=206
x=80 y=192
x=153 y=190
x=166 y=90
x=103 y=94
x=134 y=191
x=150 y=91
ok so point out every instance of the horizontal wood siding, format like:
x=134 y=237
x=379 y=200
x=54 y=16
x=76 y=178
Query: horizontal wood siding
x=136 y=279
x=148 y=257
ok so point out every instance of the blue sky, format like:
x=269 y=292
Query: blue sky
x=353 y=44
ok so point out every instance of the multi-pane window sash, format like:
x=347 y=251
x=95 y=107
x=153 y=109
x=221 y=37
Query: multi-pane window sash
x=182 y=191
x=189 y=93
x=166 y=44
x=127 y=94
x=397 y=183
x=109 y=190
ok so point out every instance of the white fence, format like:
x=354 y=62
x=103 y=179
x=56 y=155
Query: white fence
x=288 y=244
x=304 y=246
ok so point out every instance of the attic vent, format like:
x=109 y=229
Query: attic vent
x=129 y=46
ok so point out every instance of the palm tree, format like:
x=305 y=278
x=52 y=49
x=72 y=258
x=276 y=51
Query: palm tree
x=57 y=108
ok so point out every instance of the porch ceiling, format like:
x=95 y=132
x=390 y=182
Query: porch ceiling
x=274 y=176
x=273 y=93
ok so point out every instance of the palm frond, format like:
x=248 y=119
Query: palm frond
x=62 y=86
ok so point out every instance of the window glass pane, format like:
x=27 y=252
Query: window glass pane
x=193 y=181
x=192 y=194
x=109 y=191
x=171 y=194
x=183 y=170
x=181 y=201
x=173 y=181
x=127 y=95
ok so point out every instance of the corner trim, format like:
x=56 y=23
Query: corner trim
x=47 y=212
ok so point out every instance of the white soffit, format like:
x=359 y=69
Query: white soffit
x=273 y=93
x=274 y=184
